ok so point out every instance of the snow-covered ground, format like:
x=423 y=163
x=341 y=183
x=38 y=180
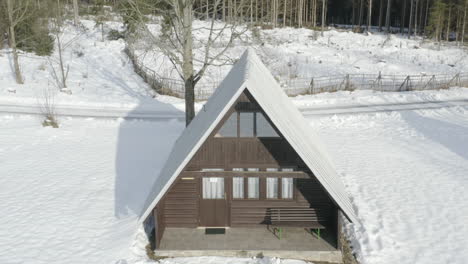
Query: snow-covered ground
x=68 y=194
x=292 y=53
x=100 y=74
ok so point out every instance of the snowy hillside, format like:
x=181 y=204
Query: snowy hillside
x=300 y=53
x=100 y=74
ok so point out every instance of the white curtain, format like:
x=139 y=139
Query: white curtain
x=253 y=188
x=213 y=188
x=287 y=188
x=238 y=188
x=272 y=188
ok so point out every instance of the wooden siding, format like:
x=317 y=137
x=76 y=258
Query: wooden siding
x=231 y=153
x=308 y=194
x=160 y=224
x=181 y=204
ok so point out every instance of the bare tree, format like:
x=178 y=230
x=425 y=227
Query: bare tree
x=178 y=44
x=449 y=21
x=323 y=16
x=17 y=12
x=464 y=22
x=369 y=15
x=62 y=44
x=76 y=17
x=387 y=17
x=381 y=14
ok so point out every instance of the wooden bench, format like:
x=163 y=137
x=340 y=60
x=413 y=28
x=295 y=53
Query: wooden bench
x=295 y=217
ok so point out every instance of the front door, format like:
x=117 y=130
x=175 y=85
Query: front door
x=213 y=202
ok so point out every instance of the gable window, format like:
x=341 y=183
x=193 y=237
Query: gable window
x=246 y=125
x=238 y=187
x=253 y=188
x=229 y=128
x=263 y=126
x=287 y=188
x=272 y=188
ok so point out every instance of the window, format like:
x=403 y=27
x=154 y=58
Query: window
x=253 y=169
x=272 y=188
x=213 y=188
x=253 y=188
x=272 y=169
x=237 y=169
x=229 y=128
x=246 y=124
x=287 y=169
x=264 y=128
x=287 y=188
x=237 y=187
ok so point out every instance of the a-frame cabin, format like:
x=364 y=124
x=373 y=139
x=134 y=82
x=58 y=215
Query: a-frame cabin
x=249 y=159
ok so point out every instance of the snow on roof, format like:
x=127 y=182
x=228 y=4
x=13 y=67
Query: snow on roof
x=251 y=74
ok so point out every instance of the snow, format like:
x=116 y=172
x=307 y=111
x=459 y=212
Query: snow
x=292 y=53
x=100 y=74
x=67 y=193
x=406 y=174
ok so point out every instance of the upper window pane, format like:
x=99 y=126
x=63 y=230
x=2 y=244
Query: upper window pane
x=264 y=128
x=247 y=124
x=229 y=128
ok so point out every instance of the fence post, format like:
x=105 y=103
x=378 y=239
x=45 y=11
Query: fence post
x=347 y=83
x=311 y=86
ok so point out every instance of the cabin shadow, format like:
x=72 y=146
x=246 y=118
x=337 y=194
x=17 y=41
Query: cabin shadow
x=143 y=145
x=426 y=125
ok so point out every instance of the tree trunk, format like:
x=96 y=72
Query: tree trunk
x=12 y=38
x=410 y=19
x=448 y=23
x=291 y=13
x=464 y=22
x=224 y=10
x=323 y=16
x=251 y=11
x=75 y=12
x=425 y=16
x=369 y=16
x=285 y=3
x=381 y=14
x=403 y=17
x=361 y=11
x=416 y=17
x=387 y=18
x=420 y=23
x=187 y=64
x=62 y=66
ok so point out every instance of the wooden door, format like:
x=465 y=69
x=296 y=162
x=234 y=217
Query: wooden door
x=213 y=202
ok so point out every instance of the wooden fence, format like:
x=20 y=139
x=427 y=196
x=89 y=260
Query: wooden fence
x=313 y=85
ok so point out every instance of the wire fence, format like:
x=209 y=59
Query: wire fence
x=312 y=85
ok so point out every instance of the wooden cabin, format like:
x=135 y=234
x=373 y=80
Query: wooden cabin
x=248 y=159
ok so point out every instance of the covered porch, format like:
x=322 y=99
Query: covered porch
x=296 y=243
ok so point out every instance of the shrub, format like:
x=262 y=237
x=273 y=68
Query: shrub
x=115 y=35
x=33 y=36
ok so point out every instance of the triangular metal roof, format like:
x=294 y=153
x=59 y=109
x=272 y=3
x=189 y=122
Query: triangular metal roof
x=251 y=74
